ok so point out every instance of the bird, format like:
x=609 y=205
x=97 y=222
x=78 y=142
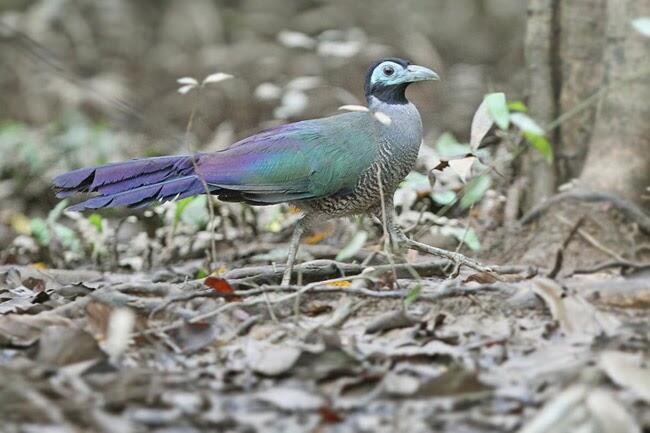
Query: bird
x=345 y=164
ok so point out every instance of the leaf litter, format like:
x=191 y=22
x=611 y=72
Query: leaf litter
x=357 y=346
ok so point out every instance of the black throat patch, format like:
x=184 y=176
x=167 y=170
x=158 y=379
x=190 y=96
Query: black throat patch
x=395 y=94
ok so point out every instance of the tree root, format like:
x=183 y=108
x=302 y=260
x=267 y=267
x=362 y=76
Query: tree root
x=629 y=209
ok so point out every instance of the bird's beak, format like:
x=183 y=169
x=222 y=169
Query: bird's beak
x=419 y=73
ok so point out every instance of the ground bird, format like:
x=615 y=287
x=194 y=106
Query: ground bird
x=336 y=166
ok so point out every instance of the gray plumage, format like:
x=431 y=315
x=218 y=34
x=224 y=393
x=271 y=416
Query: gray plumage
x=397 y=145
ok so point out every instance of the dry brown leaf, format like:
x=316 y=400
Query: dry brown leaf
x=558 y=415
x=63 y=345
x=292 y=399
x=25 y=330
x=481 y=124
x=271 y=359
x=463 y=166
x=610 y=415
x=576 y=316
x=627 y=371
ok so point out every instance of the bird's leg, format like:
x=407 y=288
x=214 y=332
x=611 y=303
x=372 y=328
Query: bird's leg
x=298 y=231
x=401 y=242
x=386 y=218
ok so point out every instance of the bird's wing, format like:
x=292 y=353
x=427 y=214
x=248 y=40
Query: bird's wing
x=302 y=160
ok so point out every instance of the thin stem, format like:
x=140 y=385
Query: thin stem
x=211 y=211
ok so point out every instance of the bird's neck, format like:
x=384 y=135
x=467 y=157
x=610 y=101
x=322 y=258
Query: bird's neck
x=395 y=94
x=401 y=112
x=405 y=127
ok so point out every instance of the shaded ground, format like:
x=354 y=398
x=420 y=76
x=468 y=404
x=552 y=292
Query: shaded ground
x=160 y=351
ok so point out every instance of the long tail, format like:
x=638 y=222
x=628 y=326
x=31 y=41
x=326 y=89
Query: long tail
x=132 y=183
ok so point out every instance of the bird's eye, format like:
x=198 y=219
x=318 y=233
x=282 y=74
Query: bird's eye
x=388 y=71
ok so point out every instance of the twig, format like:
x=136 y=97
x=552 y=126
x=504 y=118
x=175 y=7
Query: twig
x=593 y=241
x=559 y=256
x=612 y=264
x=199 y=174
x=326 y=268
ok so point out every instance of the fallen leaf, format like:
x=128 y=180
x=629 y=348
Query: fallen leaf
x=25 y=330
x=221 y=286
x=481 y=278
x=291 y=399
x=456 y=380
x=317 y=237
x=329 y=415
x=576 y=316
x=626 y=370
x=610 y=415
x=340 y=284
x=63 y=345
x=553 y=416
x=391 y=320
x=120 y=327
x=271 y=359
x=400 y=384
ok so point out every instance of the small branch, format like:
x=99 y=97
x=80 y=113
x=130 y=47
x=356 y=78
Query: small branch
x=624 y=265
x=593 y=241
x=211 y=212
x=328 y=268
x=559 y=256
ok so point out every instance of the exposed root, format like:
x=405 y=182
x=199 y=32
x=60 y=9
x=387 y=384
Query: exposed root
x=629 y=209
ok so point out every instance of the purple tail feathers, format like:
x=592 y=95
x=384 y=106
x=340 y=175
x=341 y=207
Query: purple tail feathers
x=134 y=183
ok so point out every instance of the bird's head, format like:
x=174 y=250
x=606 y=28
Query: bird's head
x=388 y=78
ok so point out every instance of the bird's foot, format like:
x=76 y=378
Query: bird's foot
x=457 y=259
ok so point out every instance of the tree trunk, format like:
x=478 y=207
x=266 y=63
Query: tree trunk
x=574 y=50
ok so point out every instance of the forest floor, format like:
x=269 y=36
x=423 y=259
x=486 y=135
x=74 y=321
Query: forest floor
x=552 y=341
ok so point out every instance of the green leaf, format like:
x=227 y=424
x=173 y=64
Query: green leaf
x=475 y=190
x=412 y=295
x=40 y=232
x=472 y=241
x=67 y=237
x=526 y=123
x=195 y=212
x=97 y=221
x=447 y=146
x=467 y=236
x=180 y=208
x=498 y=109
x=542 y=145
x=443 y=197
x=642 y=25
x=353 y=247
x=416 y=181
x=55 y=213
x=517 y=106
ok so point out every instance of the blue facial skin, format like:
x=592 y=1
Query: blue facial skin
x=390 y=77
x=400 y=74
